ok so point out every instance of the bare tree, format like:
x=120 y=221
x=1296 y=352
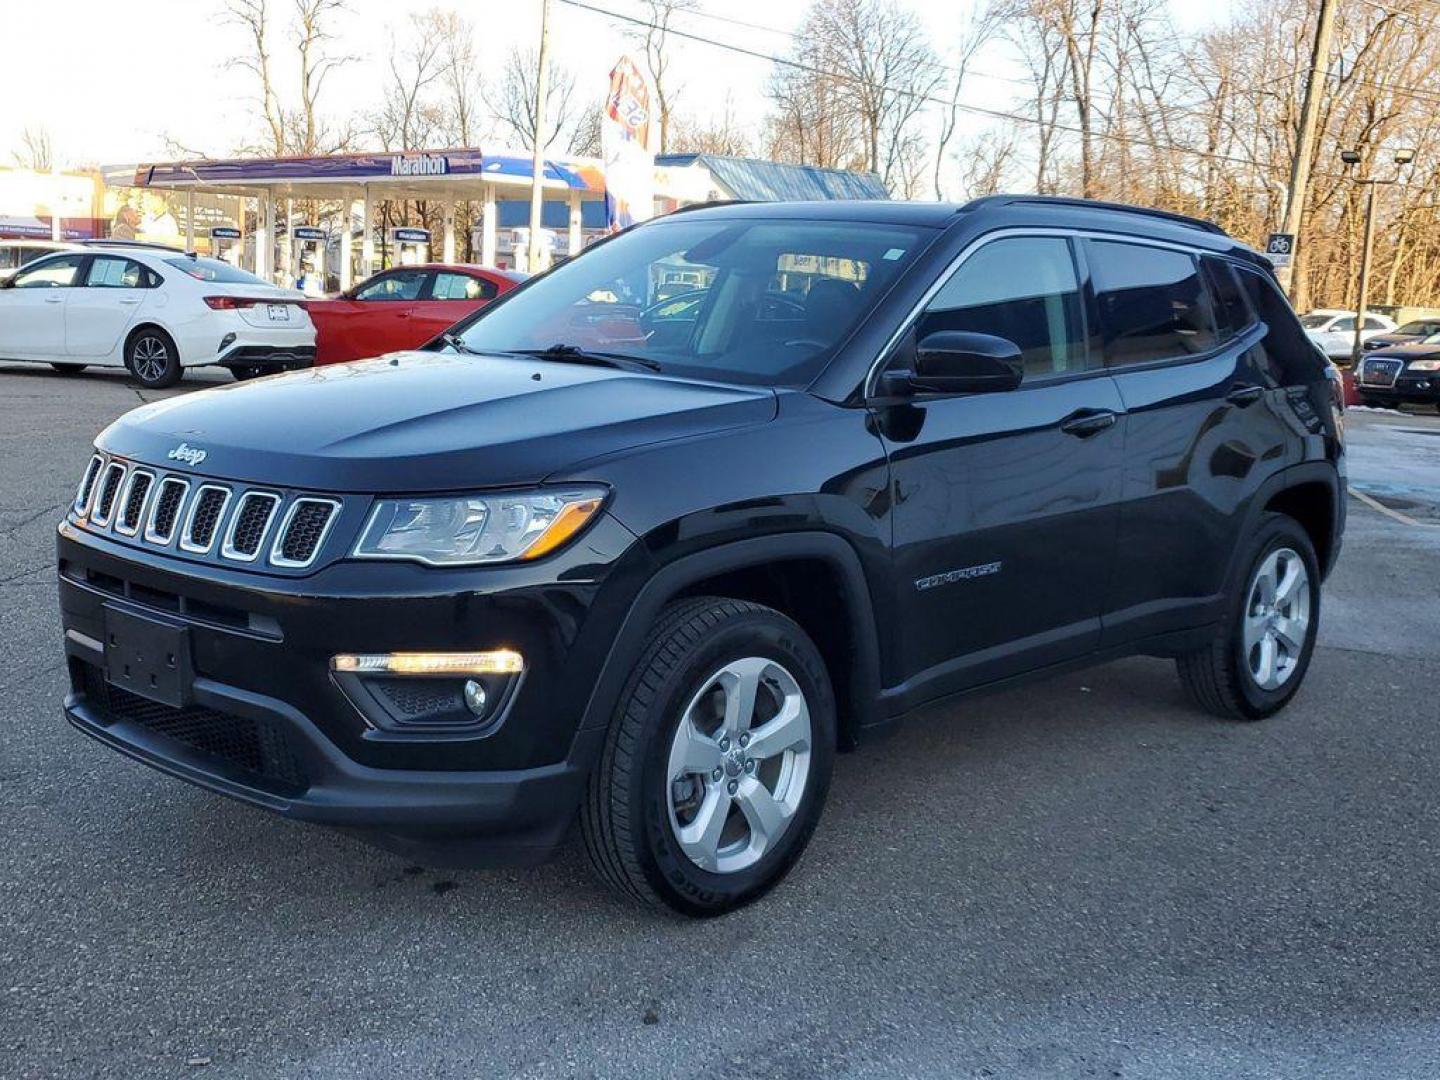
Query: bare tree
x=406 y=121
x=460 y=74
x=885 y=73
x=721 y=134
x=252 y=17
x=654 y=39
x=35 y=151
x=983 y=27
x=514 y=99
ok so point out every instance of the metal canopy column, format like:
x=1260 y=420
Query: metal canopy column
x=190 y=221
x=575 y=222
x=488 y=232
x=347 y=225
x=447 y=208
x=367 y=242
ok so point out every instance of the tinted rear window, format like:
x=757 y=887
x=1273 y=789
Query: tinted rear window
x=213 y=270
x=1152 y=303
x=1232 y=314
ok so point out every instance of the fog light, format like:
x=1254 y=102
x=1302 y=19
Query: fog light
x=475 y=697
x=495 y=662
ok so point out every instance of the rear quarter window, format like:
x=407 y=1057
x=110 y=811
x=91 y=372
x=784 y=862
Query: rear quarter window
x=1290 y=355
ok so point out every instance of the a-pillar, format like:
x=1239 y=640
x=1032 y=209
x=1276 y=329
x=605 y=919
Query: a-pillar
x=575 y=222
x=447 y=209
x=488 y=232
x=367 y=241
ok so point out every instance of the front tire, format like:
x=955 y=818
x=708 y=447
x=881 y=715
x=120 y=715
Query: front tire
x=1262 y=650
x=717 y=761
x=152 y=359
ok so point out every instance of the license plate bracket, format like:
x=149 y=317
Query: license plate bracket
x=279 y=312
x=148 y=656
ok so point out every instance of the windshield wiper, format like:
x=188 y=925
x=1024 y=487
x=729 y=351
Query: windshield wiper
x=573 y=354
x=456 y=342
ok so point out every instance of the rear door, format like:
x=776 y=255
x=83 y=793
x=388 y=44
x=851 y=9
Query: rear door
x=99 y=312
x=453 y=295
x=1201 y=428
x=1005 y=504
x=32 y=309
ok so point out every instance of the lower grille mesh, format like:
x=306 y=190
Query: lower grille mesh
x=256 y=747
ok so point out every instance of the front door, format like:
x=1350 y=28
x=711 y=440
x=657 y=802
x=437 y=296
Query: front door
x=32 y=309
x=1005 y=504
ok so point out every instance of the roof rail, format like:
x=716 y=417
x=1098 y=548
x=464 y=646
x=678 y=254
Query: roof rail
x=1094 y=204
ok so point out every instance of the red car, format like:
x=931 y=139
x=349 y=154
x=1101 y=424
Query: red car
x=401 y=309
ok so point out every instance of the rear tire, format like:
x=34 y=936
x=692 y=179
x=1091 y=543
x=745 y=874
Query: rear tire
x=1261 y=651
x=670 y=818
x=69 y=369
x=152 y=359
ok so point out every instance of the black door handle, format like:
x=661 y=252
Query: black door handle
x=1088 y=422
x=1245 y=395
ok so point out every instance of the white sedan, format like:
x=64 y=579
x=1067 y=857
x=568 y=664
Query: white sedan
x=155 y=312
x=1334 y=331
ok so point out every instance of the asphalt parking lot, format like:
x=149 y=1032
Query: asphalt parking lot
x=1084 y=878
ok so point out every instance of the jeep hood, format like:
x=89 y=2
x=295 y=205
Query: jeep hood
x=426 y=422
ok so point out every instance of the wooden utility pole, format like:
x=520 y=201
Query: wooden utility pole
x=537 y=163
x=1305 y=146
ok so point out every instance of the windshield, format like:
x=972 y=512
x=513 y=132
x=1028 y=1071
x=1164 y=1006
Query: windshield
x=214 y=270
x=1420 y=329
x=760 y=302
x=1315 y=322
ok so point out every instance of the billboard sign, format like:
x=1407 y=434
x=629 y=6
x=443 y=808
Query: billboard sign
x=625 y=148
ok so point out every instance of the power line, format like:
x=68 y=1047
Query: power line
x=976 y=110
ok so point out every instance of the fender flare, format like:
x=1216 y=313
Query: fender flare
x=679 y=574
x=1309 y=472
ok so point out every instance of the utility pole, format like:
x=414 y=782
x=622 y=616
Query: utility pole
x=1305 y=146
x=537 y=163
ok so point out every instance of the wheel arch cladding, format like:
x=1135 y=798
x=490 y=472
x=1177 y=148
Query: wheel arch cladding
x=1312 y=504
x=813 y=578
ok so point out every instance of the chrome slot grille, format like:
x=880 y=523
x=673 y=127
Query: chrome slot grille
x=203 y=521
x=87 y=484
x=1380 y=372
x=109 y=488
x=248 y=526
x=132 y=506
x=303 y=531
x=165 y=511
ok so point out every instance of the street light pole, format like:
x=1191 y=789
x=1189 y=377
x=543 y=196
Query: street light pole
x=1352 y=158
x=537 y=162
x=1365 y=254
x=1305 y=144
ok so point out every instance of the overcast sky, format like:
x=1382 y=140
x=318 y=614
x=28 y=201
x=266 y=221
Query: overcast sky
x=134 y=73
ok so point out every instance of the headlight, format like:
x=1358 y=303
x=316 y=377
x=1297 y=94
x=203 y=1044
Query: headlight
x=464 y=530
x=1423 y=365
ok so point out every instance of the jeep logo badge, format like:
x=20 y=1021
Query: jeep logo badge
x=190 y=455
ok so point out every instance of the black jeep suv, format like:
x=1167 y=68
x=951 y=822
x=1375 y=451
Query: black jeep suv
x=649 y=539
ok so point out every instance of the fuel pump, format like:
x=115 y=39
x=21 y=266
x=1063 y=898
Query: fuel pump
x=225 y=244
x=412 y=246
x=308 y=255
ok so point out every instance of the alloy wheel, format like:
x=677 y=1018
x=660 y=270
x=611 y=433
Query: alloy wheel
x=738 y=764
x=150 y=358
x=1277 y=618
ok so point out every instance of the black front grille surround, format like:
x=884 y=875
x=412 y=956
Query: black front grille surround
x=259 y=748
x=216 y=521
x=1380 y=372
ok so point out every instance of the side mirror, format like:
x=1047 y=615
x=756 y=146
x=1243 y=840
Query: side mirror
x=960 y=362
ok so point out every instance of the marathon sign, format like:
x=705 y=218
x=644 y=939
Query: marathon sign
x=224 y=232
x=402 y=235
x=419 y=165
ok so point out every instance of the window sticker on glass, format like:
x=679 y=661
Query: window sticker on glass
x=894 y=253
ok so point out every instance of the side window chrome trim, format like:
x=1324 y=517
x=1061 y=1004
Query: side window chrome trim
x=868 y=387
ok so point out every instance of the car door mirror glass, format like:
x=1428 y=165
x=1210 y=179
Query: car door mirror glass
x=964 y=362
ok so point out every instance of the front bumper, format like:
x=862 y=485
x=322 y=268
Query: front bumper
x=265 y=722
x=1408 y=389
